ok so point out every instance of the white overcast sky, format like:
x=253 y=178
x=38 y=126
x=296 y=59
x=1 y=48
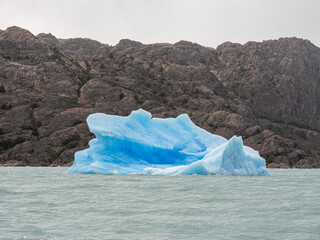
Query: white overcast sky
x=207 y=22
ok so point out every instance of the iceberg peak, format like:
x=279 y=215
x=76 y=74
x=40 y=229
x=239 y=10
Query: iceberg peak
x=140 y=115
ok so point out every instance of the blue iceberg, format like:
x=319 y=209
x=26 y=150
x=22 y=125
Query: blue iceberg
x=139 y=144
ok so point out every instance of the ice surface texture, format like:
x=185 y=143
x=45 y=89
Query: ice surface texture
x=142 y=144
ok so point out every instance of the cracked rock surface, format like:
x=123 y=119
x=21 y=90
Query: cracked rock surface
x=268 y=92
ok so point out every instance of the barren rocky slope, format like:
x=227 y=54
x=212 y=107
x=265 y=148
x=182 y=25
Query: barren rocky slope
x=267 y=92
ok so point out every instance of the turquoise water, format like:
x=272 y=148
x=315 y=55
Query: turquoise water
x=48 y=203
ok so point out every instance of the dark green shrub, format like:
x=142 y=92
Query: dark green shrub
x=55 y=154
x=34 y=122
x=10 y=143
x=34 y=125
x=34 y=105
x=56 y=54
x=5 y=106
x=76 y=122
x=35 y=132
x=71 y=142
x=138 y=99
x=2 y=89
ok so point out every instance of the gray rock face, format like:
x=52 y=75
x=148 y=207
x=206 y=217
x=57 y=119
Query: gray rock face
x=279 y=80
x=20 y=44
x=267 y=92
x=48 y=39
x=83 y=48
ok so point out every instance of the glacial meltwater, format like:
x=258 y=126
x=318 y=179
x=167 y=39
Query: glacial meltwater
x=49 y=203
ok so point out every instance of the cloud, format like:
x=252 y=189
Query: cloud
x=207 y=22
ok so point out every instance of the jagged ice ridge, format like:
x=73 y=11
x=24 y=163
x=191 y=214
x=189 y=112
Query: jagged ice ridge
x=139 y=143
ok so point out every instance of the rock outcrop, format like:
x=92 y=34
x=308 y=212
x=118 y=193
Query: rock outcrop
x=267 y=92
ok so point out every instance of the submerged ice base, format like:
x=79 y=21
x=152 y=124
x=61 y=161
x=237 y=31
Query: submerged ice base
x=139 y=143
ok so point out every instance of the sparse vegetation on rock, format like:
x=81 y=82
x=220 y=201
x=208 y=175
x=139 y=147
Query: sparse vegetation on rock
x=267 y=92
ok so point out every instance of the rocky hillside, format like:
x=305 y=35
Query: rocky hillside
x=267 y=92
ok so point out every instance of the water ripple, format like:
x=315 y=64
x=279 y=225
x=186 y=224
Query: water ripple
x=47 y=203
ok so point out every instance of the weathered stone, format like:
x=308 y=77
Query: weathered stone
x=266 y=92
